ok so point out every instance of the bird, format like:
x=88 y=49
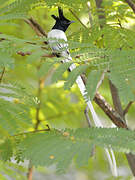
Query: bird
x=60 y=49
x=58 y=32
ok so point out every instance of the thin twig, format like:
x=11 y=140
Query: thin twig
x=39 y=105
x=24 y=53
x=36 y=27
x=90 y=15
x=101 y=80
x=127 y=108
x=77 y=18
x=116 y=99
x=31 y=132
x=2 y=74
x=119 y=23
x=30 y=170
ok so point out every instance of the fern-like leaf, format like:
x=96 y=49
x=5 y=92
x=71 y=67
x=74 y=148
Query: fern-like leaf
x=92 y=81
x=59 y=71
x=15 y=104
x=50 y=147
x=73 y=76
x=6 y=150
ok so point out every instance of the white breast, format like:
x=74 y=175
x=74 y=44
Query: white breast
x=58 y=34
x=55 y=44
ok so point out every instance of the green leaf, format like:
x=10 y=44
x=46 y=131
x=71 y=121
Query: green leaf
x=92 y=81
x=15 y=104
x=52 y=147
x=45 y=67
x=60 y=147
x=73 y=76
x=35 y=56
x=13 y=16
x=6 y=60
x=59 y=71
x=6 y=150
x=122 y=73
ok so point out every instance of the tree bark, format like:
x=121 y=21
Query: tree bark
x=131 y=4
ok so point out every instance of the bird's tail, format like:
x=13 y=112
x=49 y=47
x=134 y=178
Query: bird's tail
x=97 y=121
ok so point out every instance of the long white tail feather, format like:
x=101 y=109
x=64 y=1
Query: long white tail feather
x=114 y=170
x=98 y=123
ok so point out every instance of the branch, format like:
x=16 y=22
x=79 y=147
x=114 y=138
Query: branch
x=90 y=15
x=100 y=81
x=101 y=12
x=24 y=54
x=109 y=111
x=30 y=170
x=36 y=27
x=2 y=74
x=127 y=108
x=77 y=18
x=31 y=132
x=131 y=161
x=131 y=4
x=116 y=99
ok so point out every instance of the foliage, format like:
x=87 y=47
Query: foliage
x=32 y=96
x=15 y=104
x=50 y=147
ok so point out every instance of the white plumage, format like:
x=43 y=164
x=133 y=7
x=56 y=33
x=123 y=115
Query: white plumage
x=56 y=36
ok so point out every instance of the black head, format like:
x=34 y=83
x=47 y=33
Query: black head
x=62 y=23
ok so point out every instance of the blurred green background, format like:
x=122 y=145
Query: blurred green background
x=61 y=108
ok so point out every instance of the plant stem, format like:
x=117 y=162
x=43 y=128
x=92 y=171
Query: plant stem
x=2 y=74
x=127 y=108
x=40 y=87
x=116 y=99
x=30 y=170
x=109 y=111
x=36 y=27
x=90 y=15
x=77 y=18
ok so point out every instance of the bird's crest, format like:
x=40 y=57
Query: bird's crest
x=61 y=16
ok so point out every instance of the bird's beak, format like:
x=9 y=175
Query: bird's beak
x=71 y=22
